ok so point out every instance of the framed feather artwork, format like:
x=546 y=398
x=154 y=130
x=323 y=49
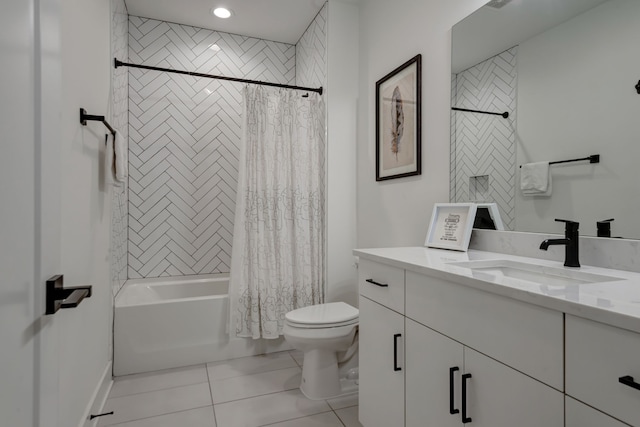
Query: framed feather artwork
x=398 y=121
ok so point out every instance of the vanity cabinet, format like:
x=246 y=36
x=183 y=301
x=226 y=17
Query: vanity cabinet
x=449 y=384
x=603 y=368
x=469 y=357
x=581 y=415
x=381 y=342
x=434 y=365
x=523 y=336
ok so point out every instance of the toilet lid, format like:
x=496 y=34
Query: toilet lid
x=323 y=314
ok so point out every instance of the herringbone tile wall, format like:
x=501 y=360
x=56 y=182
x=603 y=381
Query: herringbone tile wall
x=311 y=56
x=485 y=144
x=119 y=119
x=311 y=53
x=184 y=143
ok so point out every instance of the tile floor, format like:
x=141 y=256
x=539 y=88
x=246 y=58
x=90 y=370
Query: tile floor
x=245 y=392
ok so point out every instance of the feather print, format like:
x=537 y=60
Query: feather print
x=397 y=121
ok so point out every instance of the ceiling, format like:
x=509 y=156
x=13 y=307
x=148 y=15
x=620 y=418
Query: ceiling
x=277 y=20
x=489 y=31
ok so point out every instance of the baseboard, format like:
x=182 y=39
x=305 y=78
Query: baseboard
x=98 y=399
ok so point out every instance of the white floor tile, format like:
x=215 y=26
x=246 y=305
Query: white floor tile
x=298 y=356
x=343 y=402
x=327 y=419
x=250 y=365
x=144 y=405
x=152 y=381
x=349 y=416
x=235 y=388
x=201 y=417
x=267 y=409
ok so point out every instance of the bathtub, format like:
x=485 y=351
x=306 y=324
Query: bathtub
x=177 y=321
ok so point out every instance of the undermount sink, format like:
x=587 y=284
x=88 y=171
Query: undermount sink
x=535 y=273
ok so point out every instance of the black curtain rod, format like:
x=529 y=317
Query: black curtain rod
x=504 y=115
x=595 y=158
x=117 y=63
x=84 y=117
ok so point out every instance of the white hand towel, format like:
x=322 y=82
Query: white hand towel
x=121 y=158
x=535 y=179
x=109 y=164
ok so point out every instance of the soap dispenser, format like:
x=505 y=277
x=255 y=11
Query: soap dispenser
x=604 y=228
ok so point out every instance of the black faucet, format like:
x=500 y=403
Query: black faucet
x=570 y=241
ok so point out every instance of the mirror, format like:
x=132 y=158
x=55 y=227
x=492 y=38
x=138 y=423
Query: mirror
x=565 y=71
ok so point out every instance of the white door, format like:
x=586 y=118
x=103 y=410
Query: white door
x=381 y=389
x=433 y=377
x=29 y=213
x=498 y=396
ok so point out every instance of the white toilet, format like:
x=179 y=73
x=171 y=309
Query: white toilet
x=328 y=336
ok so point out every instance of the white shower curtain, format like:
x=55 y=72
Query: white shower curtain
x=277 y=262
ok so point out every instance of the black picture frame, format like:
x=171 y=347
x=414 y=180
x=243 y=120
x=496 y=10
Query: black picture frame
x=399 y=122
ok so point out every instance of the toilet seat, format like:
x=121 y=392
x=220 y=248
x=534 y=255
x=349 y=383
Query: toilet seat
x=328 y=315
x=323 y=325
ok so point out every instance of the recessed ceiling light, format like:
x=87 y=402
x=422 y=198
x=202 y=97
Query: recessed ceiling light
x=221 y=12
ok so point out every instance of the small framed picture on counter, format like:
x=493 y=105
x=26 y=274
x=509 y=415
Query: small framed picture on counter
x=451 y=225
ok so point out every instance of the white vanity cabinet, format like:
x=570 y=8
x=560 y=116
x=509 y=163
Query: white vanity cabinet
x=382 y=371
x=603 y=368
x=581 y=415
x=467 y=353
x=489 y=349
x=450 y=382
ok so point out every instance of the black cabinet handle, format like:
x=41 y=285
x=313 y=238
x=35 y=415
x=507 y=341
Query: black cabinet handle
x=452 y=410
x=373 y=282
x=465 y=419
x=395 y=352
x=628 y=381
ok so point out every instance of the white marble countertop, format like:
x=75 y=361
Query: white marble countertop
x=616 y=303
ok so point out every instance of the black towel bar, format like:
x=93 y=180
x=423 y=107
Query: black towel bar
x=84 y=117
x=594 y=158
x=504 y=115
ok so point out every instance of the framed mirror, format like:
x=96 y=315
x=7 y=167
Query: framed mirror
x=565 y=71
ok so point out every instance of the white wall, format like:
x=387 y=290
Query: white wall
x=84 y=332
x=589 y=61
x=397 y=212
x=342 y=102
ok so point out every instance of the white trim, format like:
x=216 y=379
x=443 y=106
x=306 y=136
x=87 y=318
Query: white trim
x=98 y=399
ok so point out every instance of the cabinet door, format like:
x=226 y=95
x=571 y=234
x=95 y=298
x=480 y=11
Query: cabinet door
x=381 y=366
x=581 y=415
x=498 y=396
x=433 y=378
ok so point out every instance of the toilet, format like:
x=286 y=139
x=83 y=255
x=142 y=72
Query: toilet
x=327 y=334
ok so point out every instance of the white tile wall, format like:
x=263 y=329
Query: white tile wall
x=485 y=144
x=311 y=53
x=184 y=143
x=120 y=120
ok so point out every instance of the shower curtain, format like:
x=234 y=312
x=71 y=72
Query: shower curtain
x=277 y=262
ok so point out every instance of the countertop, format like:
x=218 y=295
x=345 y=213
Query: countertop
x=616 y=303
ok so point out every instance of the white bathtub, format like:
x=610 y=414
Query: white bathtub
x=177 y=321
